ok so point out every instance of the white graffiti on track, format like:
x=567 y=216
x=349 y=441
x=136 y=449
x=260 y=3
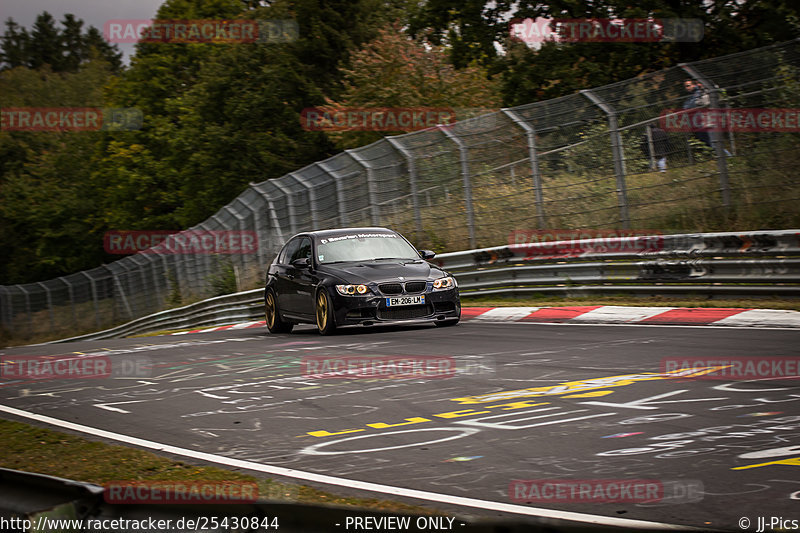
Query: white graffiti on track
x=713 y=434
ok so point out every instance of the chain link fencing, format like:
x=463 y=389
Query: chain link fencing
x=596 y=159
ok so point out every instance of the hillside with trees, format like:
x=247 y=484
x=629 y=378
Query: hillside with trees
x=218 y=116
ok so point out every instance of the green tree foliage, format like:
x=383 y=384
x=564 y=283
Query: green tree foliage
x=395 y=70
x=47 y=205
x=469 y=29
x=61 y=50
x=472 y=29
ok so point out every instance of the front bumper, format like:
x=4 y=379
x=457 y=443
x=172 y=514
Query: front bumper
x=372 y=308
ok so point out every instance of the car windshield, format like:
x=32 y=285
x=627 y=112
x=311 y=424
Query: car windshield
x=364 y=247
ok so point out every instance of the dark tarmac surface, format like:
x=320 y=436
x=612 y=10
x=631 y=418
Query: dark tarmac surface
x=601 y=407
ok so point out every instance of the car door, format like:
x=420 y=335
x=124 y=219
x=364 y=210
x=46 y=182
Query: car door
x=284 y=286
x=301 y=281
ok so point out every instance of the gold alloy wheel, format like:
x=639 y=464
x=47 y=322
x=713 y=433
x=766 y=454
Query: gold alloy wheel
x=322 y=310
x=270 y=310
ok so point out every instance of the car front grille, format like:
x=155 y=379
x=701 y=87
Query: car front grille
x=416 y=286
x=405 y=312
x=411 y=287
x=391 y=288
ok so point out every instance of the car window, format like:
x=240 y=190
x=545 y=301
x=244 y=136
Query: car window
x=303 y=250
x=364 y=247
x=288 y=251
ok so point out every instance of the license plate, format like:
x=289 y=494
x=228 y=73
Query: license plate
x=405 y=300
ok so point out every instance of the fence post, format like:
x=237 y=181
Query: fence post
x=716 y=136
x=289 y=204
x=259 y=264
x=121 y=289
x=372 y=189
x=617 y=152
x=94 y=298
x=27 y=306
x=5 y=308
x=464 y=156
x=312 y=198
x=533 y=156
x=340 y=202
x=650 y=147
x=412 y=181
x=71 y=292
x=49 y=305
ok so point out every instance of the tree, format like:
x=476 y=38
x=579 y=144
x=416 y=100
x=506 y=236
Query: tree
x=15 y=43
x=60 y=50
x=397 y=71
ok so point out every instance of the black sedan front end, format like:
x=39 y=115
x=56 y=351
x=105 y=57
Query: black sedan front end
x=356 y=276
x=393 y=299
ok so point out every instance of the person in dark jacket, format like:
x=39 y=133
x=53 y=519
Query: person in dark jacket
x=698 y=97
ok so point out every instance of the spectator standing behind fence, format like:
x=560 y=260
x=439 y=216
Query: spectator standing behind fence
x=659 y=140
x=698 y=97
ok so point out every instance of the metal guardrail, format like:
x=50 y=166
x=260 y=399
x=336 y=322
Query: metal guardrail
x=755 y=264
x=247 y=305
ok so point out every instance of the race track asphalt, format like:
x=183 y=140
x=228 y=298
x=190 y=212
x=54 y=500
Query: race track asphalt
x=504 y=414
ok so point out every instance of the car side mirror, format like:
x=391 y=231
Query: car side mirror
x=427 y=254
x=303 y=262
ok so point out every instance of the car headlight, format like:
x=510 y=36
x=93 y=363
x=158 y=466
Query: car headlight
x=351 y=290
x=444 y=283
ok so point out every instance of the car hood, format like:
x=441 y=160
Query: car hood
x=381 y=271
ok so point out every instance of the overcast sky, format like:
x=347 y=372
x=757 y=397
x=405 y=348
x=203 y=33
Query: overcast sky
x=92 y=12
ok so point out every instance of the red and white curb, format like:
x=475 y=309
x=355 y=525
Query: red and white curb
x=609 y=314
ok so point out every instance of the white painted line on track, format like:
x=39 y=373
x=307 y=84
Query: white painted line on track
x=651 y=325
x=758 y=317
x=620 y=314
x=344 y=482
x=504 y=314
x=244 y=325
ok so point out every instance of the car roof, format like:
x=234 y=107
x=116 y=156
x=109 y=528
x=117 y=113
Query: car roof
x=345 y=231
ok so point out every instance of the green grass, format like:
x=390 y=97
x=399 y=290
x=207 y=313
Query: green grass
x=35 y=449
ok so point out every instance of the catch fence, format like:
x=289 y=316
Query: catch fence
x=588 y=160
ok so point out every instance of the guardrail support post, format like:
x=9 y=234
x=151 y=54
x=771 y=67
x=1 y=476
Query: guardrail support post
x=533 y=157
x=619 y=156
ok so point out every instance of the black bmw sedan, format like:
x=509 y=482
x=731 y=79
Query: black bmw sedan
x=349 y=276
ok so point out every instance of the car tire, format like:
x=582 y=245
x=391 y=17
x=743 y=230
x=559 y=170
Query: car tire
x=275 y=324
x=323 y=310
x=447 y=323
